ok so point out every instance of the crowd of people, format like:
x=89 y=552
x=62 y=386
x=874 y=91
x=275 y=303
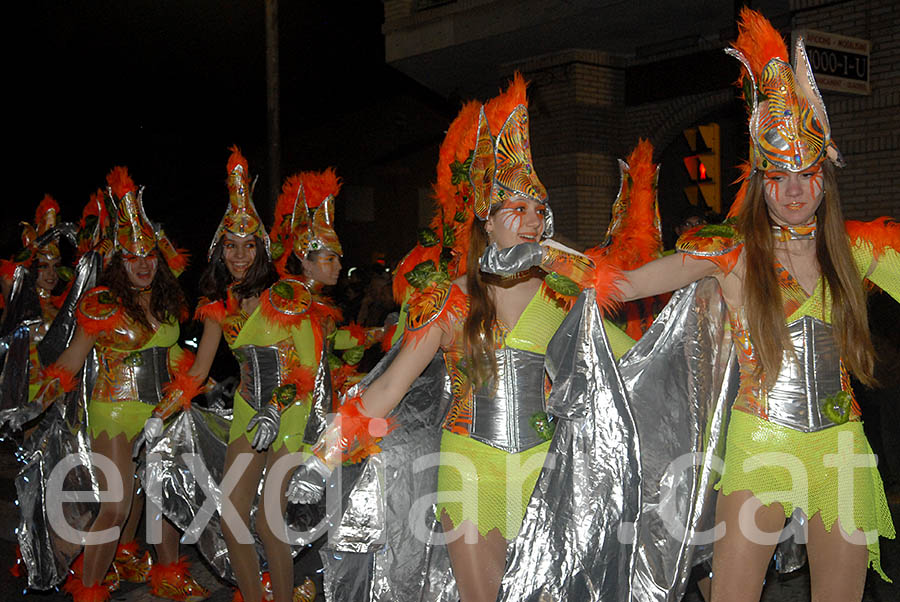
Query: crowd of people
x=487 y=290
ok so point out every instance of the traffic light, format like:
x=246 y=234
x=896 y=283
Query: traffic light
x=704 y=167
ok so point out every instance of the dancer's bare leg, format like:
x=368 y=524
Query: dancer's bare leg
x=739 y=562
x=243 y=556
x=837 y=563
x=167 y=548
x=478 y=567
x=97 y=558
x=129 y=531
x=278 y=551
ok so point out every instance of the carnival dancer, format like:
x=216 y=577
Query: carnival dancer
x=273 y=328
x=492 y=315
x=132 y=323
x=306 y=246
x=41 y=254
x=790 y=270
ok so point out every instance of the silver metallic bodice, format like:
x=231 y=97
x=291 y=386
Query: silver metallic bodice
x=807 y=379
x=148 y=370
x=260 y=373
x=502 y=415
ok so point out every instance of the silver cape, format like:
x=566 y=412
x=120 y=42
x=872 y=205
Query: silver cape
x=61 y=432
x=387 y=544
x=682 y=378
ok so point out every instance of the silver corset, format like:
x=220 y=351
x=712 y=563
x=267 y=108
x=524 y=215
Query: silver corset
x=806 y=380
x=501 y=416
x=149 y=371
x=260 y=373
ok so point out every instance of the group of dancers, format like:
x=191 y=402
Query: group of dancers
x=488 y=291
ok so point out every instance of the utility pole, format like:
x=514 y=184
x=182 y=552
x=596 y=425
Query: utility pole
x=273 y=102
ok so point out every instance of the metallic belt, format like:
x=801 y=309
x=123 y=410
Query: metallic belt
x=260 y=373
x=503 y=415
x=149 y=370
x=809 y=380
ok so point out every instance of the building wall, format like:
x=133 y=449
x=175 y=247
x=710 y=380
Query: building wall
x=581 y=125
x=865 y=128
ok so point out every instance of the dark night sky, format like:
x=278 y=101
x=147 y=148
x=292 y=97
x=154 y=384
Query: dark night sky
x=165 y=87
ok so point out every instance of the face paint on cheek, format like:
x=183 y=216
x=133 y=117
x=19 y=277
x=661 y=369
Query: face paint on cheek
x=816 y=185
x=773 y=189
x=510 y=218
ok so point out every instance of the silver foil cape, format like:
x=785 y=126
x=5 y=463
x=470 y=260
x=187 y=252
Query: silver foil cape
x=387 y=544
x=682 y=378
x=577 y=538
x=61 y=431
x=382 y=547
x=185 y=466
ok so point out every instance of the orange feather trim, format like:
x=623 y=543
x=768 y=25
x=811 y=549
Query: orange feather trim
x=94 y=206
x=453 y=199
x=82 y=593
x=882 y=233
x=67 y=379
x=319 y=185
x=48 y=203
x=236 y=159
x=758 y=41
x=183 y=387
x=177 y=260
x=639 y=241
x=303 y=378
x=213 y=310
x=419 y=254
x=175 y=572
x=606 y=283
x=388 y=337
x=322 y=311
x=743 y=178
x=120 y=182
x=454 y=310
x=360 y=434
x=358 y=332
x=266 y=586
x=95 y=326
x=275 y=317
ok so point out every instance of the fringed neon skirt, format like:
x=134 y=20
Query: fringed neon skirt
x=810 y=471
x=485 y=485
x=116 y=417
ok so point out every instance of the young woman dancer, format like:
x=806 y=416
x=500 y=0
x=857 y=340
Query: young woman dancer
x=791 y=272
x=493 y=331
x=132 y=323
x=272 y=328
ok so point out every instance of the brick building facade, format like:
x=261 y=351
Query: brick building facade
x=587 y=109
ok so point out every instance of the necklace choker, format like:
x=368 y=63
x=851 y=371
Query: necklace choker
x=802 y=232
x=139 y=290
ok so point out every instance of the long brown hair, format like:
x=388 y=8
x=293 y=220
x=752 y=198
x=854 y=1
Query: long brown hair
x=762 y=297
x=481 y=366
x=216 y=278
x=167 y=300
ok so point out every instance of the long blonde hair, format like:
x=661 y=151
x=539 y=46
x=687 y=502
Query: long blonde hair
x=762 y=297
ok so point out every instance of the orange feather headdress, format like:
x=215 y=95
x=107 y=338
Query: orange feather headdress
x=304 y=216
x=474 y=168
x=789 y=128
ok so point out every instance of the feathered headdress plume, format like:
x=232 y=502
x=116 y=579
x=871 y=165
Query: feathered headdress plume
x=469 y=168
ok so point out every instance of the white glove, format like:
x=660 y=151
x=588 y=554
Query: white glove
x=153 y=430
x=307 y=486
